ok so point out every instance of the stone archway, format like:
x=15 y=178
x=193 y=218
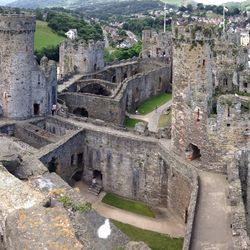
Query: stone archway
x=81 y=112
x=96 y=89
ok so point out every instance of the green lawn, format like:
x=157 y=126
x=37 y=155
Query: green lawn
x=164 y=120
x=157 y=101
x=128 y=205
x=155 y=241
x=130 y=123
x=45 y=36
x=176 y=2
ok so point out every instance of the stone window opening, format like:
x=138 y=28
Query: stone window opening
x=225 y=82
x=192 y=152
x=95 y=67
x=228 y=124
x=228 y=112
x=203 y=62
x=125 y=76
x=39 y=79
x=72 y=159
x=114 y=79
x=186 y=216
x=52 y=165
x=198 y=115
x=245 y=84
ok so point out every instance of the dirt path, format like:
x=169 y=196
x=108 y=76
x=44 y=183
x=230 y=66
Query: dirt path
x=166 y=222
x=212 y=221
x=153 y=117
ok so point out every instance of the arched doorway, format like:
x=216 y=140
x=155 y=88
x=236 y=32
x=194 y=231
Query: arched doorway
x=81 y=112
x=192 y=152
x=77 y=176
x=98 y=176
x=95 y=88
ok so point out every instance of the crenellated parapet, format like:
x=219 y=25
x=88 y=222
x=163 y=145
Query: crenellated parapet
x=10 y=23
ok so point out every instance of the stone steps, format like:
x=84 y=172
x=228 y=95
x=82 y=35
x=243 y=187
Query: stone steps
x=95 y=190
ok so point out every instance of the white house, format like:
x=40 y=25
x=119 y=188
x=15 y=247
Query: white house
x=244 y=39
x=72 y=34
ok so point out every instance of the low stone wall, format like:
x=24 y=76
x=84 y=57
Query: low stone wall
x=54 y=126
x=33 y=135
x=98 y=107
x=238 y=212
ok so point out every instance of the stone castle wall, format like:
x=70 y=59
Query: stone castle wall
x=194 y=121
x=22 y=82
x=155 y=45
x=155 y=176
x=127 y=96
x=80 y=57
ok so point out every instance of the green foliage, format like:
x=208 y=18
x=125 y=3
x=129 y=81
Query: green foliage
x=115 y=11
x=156 y=101
x=52 y=52
x=45 y=36
x=130 y=123
x=122 y=53
x=62 y=22
x=155 y=241
x=140 y=24
x=128 y=205
x=76 y=207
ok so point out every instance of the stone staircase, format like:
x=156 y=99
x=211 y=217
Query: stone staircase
x=96 y=190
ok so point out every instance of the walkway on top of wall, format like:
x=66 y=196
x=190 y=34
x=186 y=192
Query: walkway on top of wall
x=212 y=221
x=153 y=117
x=211 y=230
x=66 y=84
x=166 y=222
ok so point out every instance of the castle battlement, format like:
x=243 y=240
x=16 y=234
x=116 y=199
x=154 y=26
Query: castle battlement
x=194 y=32
x=17 y=23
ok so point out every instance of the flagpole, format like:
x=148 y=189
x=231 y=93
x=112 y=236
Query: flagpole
x=165 y=8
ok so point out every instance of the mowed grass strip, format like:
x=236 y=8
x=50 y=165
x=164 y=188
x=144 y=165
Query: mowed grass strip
x=128 y=205
x=164 y=120
x=130 y=123
x=156 y=101
x=155 y=241
x=45 y=36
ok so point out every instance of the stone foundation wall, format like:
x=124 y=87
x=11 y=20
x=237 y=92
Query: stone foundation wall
x=134 y=167
x=98 y=107
x=127 y=96
x=237 y=192
x=33 y=135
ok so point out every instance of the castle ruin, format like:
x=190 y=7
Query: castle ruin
x=80 y=57
x=27 y=89
x=41 y=157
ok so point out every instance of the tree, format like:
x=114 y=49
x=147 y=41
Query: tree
x=200 y=6
x=190 y=7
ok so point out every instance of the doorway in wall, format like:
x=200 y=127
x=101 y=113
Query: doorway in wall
x=192 y=152
x=36 y=108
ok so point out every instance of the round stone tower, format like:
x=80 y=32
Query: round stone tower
x=16 y=65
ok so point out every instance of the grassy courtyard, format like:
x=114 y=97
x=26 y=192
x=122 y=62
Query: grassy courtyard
x=155 y=241
x=130 y=123
x=44 y=36
x=128 y=205
x=157 y=101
